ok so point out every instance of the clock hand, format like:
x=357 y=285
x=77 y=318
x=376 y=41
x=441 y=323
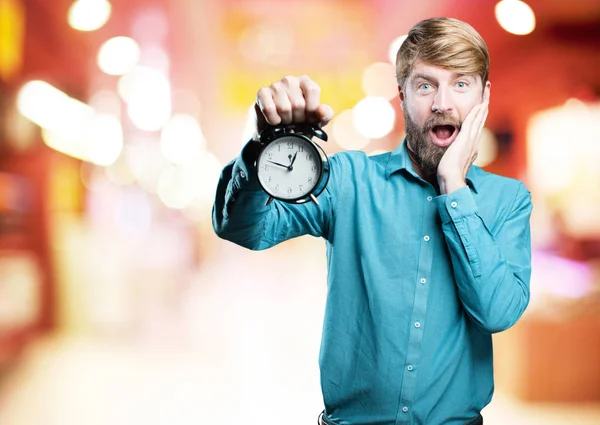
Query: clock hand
x=293 y=159
x=277 y=163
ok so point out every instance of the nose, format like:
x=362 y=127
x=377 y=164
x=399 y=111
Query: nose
x=442 y=101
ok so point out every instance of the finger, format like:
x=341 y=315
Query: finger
x=482 y=124
x=324 y=114
x=480 y=119
x=312 y=97
x=467 y=125
x=282 y=102
x=266 y=108
x=296 y=98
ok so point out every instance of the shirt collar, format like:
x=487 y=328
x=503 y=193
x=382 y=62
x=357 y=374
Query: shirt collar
x=400 y=160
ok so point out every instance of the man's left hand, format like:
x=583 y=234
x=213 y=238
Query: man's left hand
x=460 y=155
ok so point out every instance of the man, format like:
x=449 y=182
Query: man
x=428 y=255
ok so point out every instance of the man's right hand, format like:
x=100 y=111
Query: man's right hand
x=290 y=100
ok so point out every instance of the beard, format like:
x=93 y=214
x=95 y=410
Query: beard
x=422 y=151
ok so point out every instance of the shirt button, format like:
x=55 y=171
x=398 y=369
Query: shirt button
x=423 y=280
x=426 y=238
x=429 y=198
x=417 y=324
x=405 y=409
x=242 y=174
x=454 y=204
x=409 y=367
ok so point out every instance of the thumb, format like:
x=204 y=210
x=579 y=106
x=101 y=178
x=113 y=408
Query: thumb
x=324 y=114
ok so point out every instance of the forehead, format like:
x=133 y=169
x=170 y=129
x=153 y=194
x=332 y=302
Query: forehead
x=421 y=69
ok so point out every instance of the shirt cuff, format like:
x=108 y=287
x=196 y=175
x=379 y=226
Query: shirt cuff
x=244 y=169
x=456 y=205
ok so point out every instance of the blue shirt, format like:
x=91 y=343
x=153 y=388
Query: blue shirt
x=417 y=282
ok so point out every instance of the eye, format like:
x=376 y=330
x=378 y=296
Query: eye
x=424 y=87
x=462 y=85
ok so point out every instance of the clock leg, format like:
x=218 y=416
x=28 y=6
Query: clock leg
x=269 y=200
x=313 y=198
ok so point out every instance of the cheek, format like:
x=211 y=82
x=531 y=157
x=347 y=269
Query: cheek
x=418 y=114
x=465 y=105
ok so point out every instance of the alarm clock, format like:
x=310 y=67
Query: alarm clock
x=290 y=166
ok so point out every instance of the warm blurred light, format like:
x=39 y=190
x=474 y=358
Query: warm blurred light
x=69 y=142
x=249 y=126
x=155 y=57
x=379 y=80
x=106 y=102
x=43 y=104
x=105 y=139
x=148 y=95
x=559 y=277
x=185 y=102
x=555 y=166
x=210 y=170
x=394 y=47
x=374 y=117
x=63 y=118
x=70 y=126
x=268 y=44
x=118 y=55
x=89 y=15
x=133 y=212
x=12 y=38
x=178 y=185
x=150 y=26
x=488 y=148
x=120 y=172
x=146 y=162
x=515 y=16
x=345 y=133
x=182 y=140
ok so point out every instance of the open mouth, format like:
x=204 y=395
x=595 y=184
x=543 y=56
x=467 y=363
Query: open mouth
x=444 y=134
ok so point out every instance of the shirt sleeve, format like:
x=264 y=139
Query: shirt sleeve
x=240 y=213
x=492 y=270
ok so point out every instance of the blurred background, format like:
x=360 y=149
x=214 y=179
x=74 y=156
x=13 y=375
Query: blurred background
x=119 y=305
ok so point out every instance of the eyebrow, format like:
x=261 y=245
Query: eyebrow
x=454 y=76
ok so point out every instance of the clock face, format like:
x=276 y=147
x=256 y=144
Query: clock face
x=289 y=168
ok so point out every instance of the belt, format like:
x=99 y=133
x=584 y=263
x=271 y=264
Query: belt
x=477 y=420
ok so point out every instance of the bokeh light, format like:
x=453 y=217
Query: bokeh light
x=89 y=15
x=182 y=140
x=118 y=55
x=345 y=133
x=379 y=80
x=374 y=117
x=515 y=16
x=394 y=47
x=148 y=97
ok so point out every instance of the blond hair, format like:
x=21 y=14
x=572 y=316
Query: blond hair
x=445 y=42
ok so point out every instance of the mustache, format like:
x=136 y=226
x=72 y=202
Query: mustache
x=441 y=119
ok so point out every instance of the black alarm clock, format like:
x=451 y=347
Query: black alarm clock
x=290 y=166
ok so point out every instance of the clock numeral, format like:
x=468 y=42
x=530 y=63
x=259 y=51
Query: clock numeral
x=300 y=187
x=266 y=167
x=270 y=154
x=290 y=145
x=309 y=157
x=310 y=180
x=314 y=168
x=301 y=148
x=289 y=190
x=270 y=179
x=276 y=189
x=278 y=148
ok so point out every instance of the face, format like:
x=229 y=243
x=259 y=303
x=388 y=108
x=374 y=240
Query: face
x=435 y=102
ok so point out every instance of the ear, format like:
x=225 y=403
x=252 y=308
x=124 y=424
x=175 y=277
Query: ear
x=401 y=96
x=486 y=91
